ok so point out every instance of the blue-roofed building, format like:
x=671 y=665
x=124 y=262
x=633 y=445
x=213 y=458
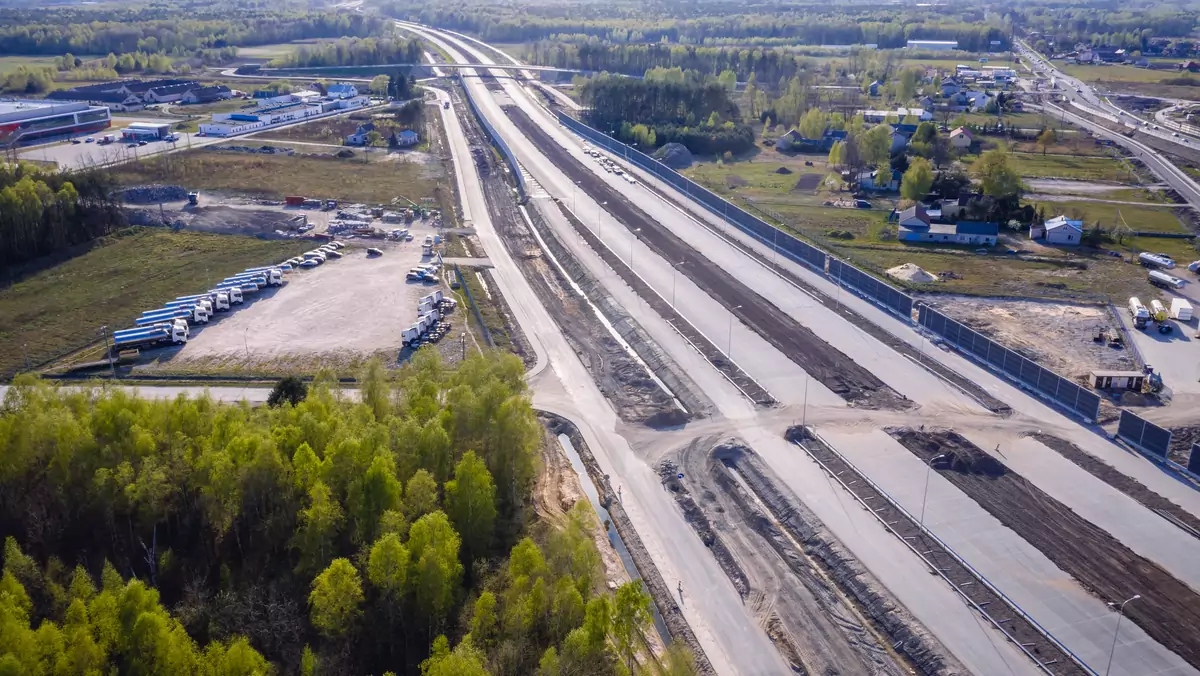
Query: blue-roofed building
x=979 y=233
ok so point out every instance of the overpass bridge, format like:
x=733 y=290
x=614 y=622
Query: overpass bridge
x=376 y=69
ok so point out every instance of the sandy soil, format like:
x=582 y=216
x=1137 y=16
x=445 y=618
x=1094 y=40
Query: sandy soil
x=1056 y=335
x=333 y=315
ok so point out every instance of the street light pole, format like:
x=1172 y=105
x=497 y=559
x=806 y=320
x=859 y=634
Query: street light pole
x=1120 y=615
x=674 y=272
x=925 y=494
x=632 y=239
x=729 y=341
x=600 y=221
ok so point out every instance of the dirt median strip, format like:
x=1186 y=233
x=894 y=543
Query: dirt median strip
x=1170 y=610
x=962 y=579
x=664 y=598
x=1115 y=478
x=822 y=361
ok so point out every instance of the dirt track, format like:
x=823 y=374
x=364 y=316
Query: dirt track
x=1170 y=613
x=809 y=595
x=822 y=361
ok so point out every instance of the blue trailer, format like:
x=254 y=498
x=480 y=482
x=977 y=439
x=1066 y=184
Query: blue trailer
x=151 y=336
x=246 y=287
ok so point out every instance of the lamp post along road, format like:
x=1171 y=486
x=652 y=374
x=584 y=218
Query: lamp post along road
x=729 y=340
x=1117 y=630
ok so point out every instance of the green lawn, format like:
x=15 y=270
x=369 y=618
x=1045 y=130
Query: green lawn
x=1090 y=73
x=1142 y=219
x=1035 y=165
x=9 y=63
x=63 y=307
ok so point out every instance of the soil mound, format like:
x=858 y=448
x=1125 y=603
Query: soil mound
x=675 y=156
x=911 y=273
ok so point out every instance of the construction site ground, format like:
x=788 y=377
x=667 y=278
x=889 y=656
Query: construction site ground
x=336 y=316
x=1102 y=565
x=1056 y=335
x=230 y=215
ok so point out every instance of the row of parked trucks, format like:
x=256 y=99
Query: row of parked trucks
x=1181 y=311
x=429 y=327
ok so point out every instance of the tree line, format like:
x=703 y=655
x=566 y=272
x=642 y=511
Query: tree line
x=678 y=106
x=115 y=29
x=316 y=535
x=42 y=212
x=353 y=52
x=807 y=24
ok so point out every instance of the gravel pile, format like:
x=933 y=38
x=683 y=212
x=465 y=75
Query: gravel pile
x=911 y=273
x=150 y=194
x=675 y=156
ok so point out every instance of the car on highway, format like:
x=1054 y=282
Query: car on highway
x=75 y=141
x=142 y=143
x=1175 y=133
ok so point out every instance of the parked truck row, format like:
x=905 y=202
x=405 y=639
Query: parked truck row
x=431 y=325
x=1180 y=311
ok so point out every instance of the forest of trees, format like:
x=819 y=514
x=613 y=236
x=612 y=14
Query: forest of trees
x=159 y=29
x=808 y=24
x=318 y=535
x=354 y=52
x=678 y=106
x=1130 y=29
x=42 y=212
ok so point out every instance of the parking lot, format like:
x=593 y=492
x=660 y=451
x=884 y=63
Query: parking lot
x=335 y=315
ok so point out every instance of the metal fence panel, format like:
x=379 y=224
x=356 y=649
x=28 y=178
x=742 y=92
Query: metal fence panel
x=1144 y=434
x=1194 y=460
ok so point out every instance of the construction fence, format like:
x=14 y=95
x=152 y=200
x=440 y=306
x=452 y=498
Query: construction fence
x=507 y=152
x=1144 y=435
x=1052 y=387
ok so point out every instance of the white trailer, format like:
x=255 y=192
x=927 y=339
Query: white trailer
x=1162 y=279
x=1155 y=261
x=1181 y=310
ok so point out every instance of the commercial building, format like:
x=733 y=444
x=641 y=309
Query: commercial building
x=146 y=131
x=22 y=120
x=934 y=45
x=230 y=124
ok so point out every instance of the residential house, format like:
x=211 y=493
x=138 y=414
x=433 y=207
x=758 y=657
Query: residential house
x=954 y=209
x=794 y=140
x=978 y=233
x=978 y=100
x=926 y=103
x=359 y=137
x=1060 y=230
x=950 y=87
x=873 y=88
x=1190 y=66
x=899 y=140
x=870 y=181
x=407 y=138
x=342 y=90
x=961 y=138
x=877 y=116
x=915 y=217
x=207 y=94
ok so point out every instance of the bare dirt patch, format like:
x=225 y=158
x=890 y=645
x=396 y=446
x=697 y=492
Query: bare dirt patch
x=1055 y=335
x=335 y=315
x=808 y=182
x=1108 y=569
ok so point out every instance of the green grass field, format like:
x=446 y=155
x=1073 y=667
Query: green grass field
x=1036 y=165
x=377 y=181
x=1089 y=73
x=1139 y=219
x=8 y=63
x=62 y=308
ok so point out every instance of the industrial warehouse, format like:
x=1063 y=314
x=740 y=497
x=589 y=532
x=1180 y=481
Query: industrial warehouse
x=283 y=109
x=24 y=120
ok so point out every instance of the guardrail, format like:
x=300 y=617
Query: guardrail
x=507 y=152
x=1048 y=385
x=890 y=527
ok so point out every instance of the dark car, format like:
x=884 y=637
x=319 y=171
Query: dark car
x=142 y=143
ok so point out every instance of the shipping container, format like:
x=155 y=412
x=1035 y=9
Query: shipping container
x=1181 y=310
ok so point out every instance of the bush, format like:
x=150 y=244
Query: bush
x=839 y=234
x=291 y=390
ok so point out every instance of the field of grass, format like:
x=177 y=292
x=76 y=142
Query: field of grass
x=1035 y=165
x=63 y=307
x=265 y=53
x=1142 y=219
x=9 y=63
x=377 y=181
x=1090 y=73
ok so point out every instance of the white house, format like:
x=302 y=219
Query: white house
x=342 y=90
x=1061 y=230
x=407 y=138
x=961 y=138
x=359 y=137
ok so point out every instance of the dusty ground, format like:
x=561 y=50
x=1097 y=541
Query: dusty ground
x=815 y=628
x=1055 y=335
x=335 y=315
x=1101 y=564
x=229 y=215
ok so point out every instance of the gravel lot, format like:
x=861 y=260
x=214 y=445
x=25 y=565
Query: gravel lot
x=335 y=316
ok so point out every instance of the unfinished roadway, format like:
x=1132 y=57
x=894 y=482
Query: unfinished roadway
x=1081 y=616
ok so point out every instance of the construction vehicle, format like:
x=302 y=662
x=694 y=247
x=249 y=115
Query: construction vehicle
x=1138 y=312
x=1110 y=337
x=1153 y=384
x=149 y=336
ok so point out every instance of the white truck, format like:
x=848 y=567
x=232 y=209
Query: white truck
x=149 y=336
x=1165 y=281
x=1138 y=312
x=1181 y=310
x=427 y=246
x=192 y=315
